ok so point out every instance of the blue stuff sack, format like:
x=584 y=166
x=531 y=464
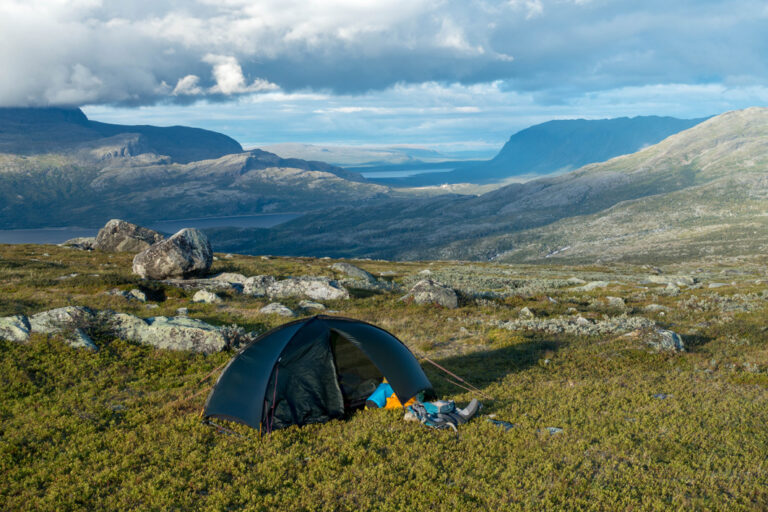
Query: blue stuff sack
x=440 y=406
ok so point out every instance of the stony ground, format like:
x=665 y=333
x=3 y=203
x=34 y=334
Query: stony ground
x=603 y=420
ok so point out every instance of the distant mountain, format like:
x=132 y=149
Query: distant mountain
x=57 y=168
x=30 y=131
x=701 y=191
x=561 y=146
x=356 y=155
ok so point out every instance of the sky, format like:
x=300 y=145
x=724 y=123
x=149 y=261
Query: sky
x=447 y=74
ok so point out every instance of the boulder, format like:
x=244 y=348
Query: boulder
x=185 y=254
x=428 y=291
x=170 y=333
x=15 y=328
x=230 y=277
x=275 y=308
x=314 y=288
x=206 y=297
x=616 y=302
x=256 y=286
x=121 y=236
x=79 y=339
x=594 y=285
x=84 y=243
x=354 y=272
x=664 y=340
x=308 y=304
x=60 y=319
x=526 y=314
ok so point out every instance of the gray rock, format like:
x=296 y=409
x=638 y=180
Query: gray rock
x=121 y=236
x=206 y=297
x=574 y=281
x=616 y=302
x=170 y=333
x=79 y=339
x=256 y=286
x=594 y=285
x=652 y=308
x=308 y=304
x=182 y=311
x=84 y=243
x=275 y=308
x=671 y=289
x=185 y=254
x=15 y=328
x=425 y=272
x=664 y=340
x=354 y=272
x=717 y=285
x=212 y=285
x=60 y=319
x=428 y=291
x=526 y=314
x=230 y=277
x=314 y=288
x=138 y=295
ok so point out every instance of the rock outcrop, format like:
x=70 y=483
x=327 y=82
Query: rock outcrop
x=170 y=333
x=315 y=288
x=354 y=272
x=84 y=243
x=275 y=308
x=256 y=286
x=60 y=319
x=428 y=291
x=206 y=297
x=185 y=254
x=121 y=236
x=664 y=340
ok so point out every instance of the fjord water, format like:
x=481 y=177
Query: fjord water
x=61 y=234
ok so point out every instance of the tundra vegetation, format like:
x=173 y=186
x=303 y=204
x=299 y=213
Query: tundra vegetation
x=602 y=419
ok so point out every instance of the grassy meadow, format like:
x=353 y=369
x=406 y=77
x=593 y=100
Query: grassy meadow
x=640 y=429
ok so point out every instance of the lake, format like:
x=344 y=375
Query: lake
x=58 y=235
x=404 y=173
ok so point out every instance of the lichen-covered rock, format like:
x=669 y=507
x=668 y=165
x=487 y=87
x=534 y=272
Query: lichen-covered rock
x=170 y=333
x=256 y=286
x=663 y=340
x=275 y=308
x=230 y=277
x=428 y=291
x=138 y=295
x=526 y=314
x=594 y=285
x=206 y=297
x=15 y=328
x=185 y=254
x=315 y=288
x=80 y=339
x=616 y=302
x=354 y=272
x=308 y=304
x=60 y=319
x=121 y=236
x=84 y=243
x=213 y=285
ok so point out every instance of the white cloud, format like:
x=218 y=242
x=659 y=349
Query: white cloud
x=188 y=85
x=229 y=77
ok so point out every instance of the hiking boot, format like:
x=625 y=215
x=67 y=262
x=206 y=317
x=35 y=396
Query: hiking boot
x=470 y=410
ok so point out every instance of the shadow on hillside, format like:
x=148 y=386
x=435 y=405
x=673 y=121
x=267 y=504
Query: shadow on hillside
x=485 y=367
x=694 y=341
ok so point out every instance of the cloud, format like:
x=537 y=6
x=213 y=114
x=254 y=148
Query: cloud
x=146 y=52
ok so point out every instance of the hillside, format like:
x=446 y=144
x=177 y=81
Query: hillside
x=727 y=149
x=588 y=414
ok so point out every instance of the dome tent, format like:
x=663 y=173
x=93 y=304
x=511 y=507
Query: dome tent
x=310 y=371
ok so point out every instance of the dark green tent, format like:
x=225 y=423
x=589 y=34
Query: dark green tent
x=310 y=371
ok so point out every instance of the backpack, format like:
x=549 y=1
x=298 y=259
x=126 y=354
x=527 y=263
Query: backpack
x=438 y=414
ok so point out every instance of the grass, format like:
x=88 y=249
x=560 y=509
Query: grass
x=113 y=431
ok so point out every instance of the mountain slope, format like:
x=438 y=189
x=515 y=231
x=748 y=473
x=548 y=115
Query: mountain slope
x=29 y=131
x=731 y=145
